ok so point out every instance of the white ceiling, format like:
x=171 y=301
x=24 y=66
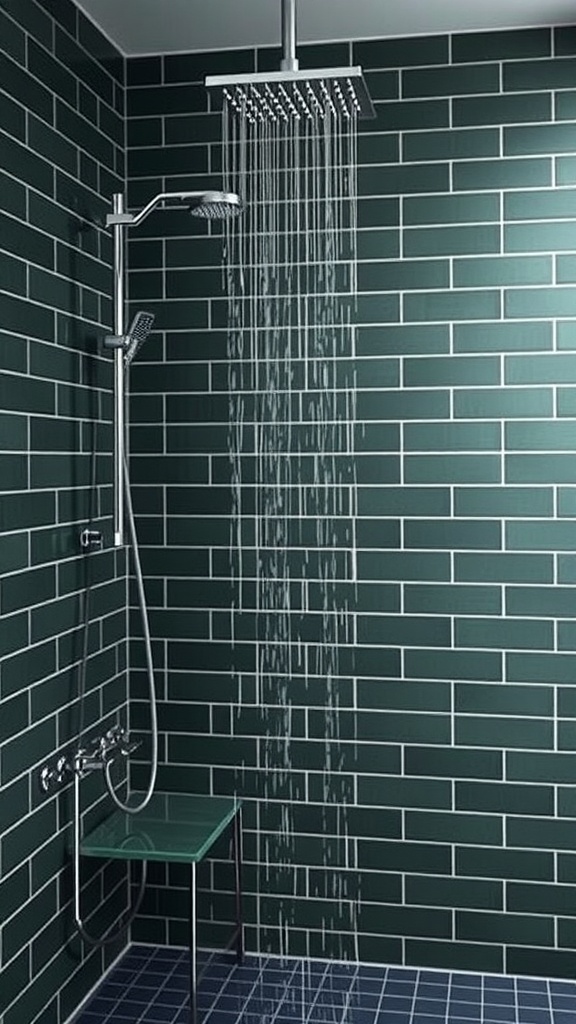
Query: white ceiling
x=140 y=27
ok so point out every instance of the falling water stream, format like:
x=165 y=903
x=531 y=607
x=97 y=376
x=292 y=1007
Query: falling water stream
x=291 y=279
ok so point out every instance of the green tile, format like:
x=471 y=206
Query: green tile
x=454 y=144
x=382 y=181
x=27 y=589
x=502 y=109
x=504 y=732
x=462 y=305
x=528 y=832
x=540 y=302
x=502 y=173
x=423 y=858
x=516 y=634
x=53 y=146
x=15 y=716
x=453 y=469
x=454 y=827
x=16 y=758
x=566 y=568
x=516 y=44
x=540 y=668
x=392 y=792
x=452 y=664
x=566 y=861
x=503 y=568
x=486 y=699
x=565 y=274
x=454 y=892
x=173 y=99
x=31 y=93
x=15 y=978
x=391 y=53
x=457 y=437
x=543 y=236
x=553 y=601
x=452 y=241
x=538 y=436
x=428 y=339
x=404 y=630
x=382 y=308
x=451 y=81
x=376 y=437
x=567 y=702
x=13 y=118
x=403 y=405
x=409 y=921
x=550 y=535
x=566 y=640
x=16 y=632
x=504 y=337
x=452 y=534
x=541 y=369
x=533 y=865
x=503 y=501
x=452 y=763
x=566 y=170
x=375 y=533
x=402 y=565
x=394 y=501
x=540 y=962
x=383 y=85
x=549 y=138
x=544 y=74
x=502 y=270
x=450 y=209
x=503 y=403
x=451 y=599
x=566 y=729
x=566 y=501
x=566 y=401
x=406 y=275
x=504 y=798
x=523 y=929
x=30 y=919
x=463 y=956
x=538 y=205
x=408 y=728
x=409 y=115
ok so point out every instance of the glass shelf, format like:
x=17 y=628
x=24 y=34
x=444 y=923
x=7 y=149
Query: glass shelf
x=173 y=827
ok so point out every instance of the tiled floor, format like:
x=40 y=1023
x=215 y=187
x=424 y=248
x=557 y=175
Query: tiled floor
x=149 y=986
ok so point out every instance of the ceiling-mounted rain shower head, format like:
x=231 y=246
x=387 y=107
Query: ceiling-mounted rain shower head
x=216 y=205
x=290 y=94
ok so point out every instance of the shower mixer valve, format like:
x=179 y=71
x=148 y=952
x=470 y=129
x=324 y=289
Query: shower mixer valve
x=100 y=752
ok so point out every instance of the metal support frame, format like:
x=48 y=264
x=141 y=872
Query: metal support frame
x=237 y=938
x=119 y=388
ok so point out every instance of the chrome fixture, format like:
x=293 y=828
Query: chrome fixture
x=130 y=343
x=97 y=756
x=91 y=540
x=208 y=204
x=293 y=94
x=102 y=751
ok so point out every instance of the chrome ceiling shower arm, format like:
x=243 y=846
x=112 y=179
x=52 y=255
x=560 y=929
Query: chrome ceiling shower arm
x=289 y=61
x=119 y=373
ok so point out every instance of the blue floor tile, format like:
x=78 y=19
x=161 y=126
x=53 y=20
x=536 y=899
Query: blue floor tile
x=150 y=986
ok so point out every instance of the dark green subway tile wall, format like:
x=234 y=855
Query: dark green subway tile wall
x=452 y=735
x=61 y=155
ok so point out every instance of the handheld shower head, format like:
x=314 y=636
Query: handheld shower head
x=216 y=205
x=139 y=330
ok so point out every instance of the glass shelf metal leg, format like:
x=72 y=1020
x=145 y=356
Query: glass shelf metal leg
x=237 y=844
x=193 y=951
